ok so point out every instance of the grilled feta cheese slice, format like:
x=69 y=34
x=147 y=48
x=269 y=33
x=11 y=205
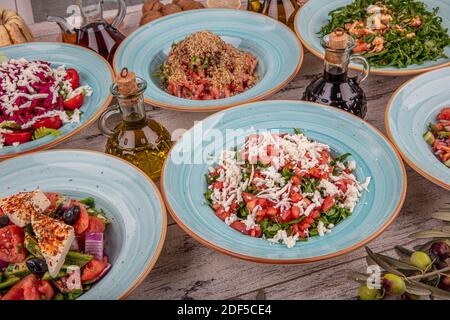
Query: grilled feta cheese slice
x=20 y=207
x=54 y=239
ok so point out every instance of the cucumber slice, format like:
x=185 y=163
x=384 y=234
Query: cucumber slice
x=60 y=274
x=9 y=282
x=77 y=259
x=429 y=137
x=19 y=270
x=32 y=246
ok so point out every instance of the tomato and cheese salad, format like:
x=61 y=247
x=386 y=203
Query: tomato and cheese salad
x=204 y=67
x=37 y=99
x=51 y=246
x=283 y=187
x=438 y=136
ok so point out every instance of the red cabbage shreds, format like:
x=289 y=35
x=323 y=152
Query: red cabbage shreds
x=3 y=264
x=28 y=89
x=93 y=244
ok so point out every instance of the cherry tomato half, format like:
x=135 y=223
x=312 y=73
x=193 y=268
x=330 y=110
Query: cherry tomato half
x=17 y=136
x=74 y=77
x=75 y=102
x=51 y=122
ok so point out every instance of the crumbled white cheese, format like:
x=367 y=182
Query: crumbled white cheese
x=232 y=218
x=282 y=236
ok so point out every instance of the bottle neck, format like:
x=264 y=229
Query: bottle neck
x=133 y=110
x=336 y=65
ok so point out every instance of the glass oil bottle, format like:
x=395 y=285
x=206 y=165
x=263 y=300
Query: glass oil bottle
x=334 y=87
x=137 y=139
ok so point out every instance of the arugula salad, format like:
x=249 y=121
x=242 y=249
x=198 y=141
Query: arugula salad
x=394 y=33
x=283 y=187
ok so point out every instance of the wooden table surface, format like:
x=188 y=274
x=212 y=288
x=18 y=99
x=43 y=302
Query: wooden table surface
x=188 y=270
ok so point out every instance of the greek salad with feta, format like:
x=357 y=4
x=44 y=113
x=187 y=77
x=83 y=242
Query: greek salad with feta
x=283 y=187
x=37 y=99
x=51 y=246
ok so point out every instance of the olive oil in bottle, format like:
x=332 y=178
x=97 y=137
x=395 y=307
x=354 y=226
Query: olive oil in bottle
x=137 y=139
x=281 y=10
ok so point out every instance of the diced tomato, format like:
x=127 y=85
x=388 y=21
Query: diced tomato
x=318 y=173
x=328 y=203
x=95 y=225
x=46 y=290
x=252 y=204
x=83 y=221
x=93 y=269
x=255 y=232
x=295 y=212
x=30 y=288
x=248 y=197
x=239 y=226
x=218 y=185
x=1 y=212
x=234 y=206
x=17 y=137
x=271 y=211
x=12 y=248
x=315 y=214
x=53 y=197
x=216 y=206
x=74 y=77
x=263 y=202
x=296 y=180
x=307 y=201
x=444 y=115
x=324 y=157
x=221 y=213
x=74 y=102
x=50 y=122
x=343 y=183
x=286 y=215
x=296 y=197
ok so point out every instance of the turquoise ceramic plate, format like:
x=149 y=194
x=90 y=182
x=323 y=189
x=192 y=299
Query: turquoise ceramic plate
x=412 y=107
x=94 y=71
x=314 y=14
x=183 y=184
x=130 y=199
x=277 y=48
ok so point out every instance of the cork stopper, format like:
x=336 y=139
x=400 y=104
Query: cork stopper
x=338 y=39
x=126 y=82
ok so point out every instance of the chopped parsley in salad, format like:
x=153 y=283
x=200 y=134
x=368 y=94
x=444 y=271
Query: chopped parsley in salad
x=51 y=246
x=37 y=99
x=438 y=136
x=283 y=187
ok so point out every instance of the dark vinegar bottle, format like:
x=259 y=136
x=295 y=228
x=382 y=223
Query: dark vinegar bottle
x=334 y=87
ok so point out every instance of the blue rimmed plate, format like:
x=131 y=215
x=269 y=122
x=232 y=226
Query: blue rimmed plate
x=183 y=182
x=411 y=108
x=94 y=71
x=277 y=48
x=314 y=14
x=131 y=201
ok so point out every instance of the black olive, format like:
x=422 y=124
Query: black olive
x=37 y=266
x=71 y=215
x=4 y=221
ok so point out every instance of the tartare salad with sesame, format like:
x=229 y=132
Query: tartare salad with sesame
x=283 y=187
x=51 y=246
x=204 y=67
x=438 y=136
x=37 y=99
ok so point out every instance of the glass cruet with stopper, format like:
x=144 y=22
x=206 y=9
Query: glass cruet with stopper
x=335 y=87
x=281 y=10
x=138 y=138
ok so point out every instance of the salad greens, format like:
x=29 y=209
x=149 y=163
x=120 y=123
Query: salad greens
x=411 y=35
